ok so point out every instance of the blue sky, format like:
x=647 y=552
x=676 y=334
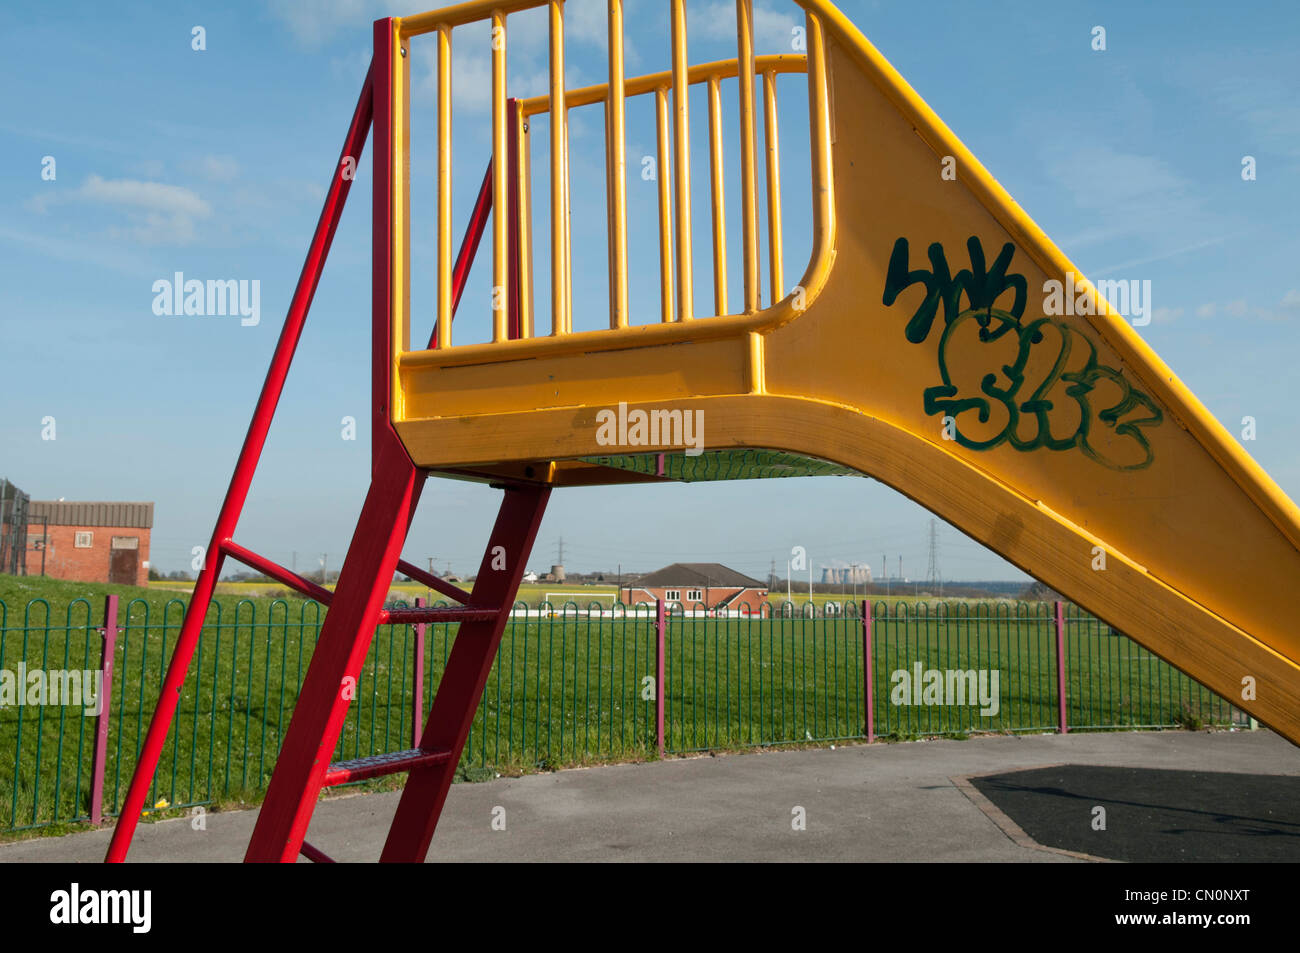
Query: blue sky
x=213 y=163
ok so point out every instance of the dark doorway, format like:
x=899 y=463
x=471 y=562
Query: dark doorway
x=123 y=566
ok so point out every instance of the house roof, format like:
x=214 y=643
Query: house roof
x=60 y=513
x=698 y=575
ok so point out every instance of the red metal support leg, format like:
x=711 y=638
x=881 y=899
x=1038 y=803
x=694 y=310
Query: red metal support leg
x=467 y=669
x=331 y=679
x=249 y=454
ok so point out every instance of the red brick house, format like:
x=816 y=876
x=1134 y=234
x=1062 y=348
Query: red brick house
x=90 y=542
x=697 y=585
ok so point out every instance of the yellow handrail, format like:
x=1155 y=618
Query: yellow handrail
x=773 y=184
x=648 y=83
x=682 y=163
x=719 y=199
x=500 y=171
x=665 y=213
x=748 y=207
x=512 y=291
x=444 y=186
x=616 y=150
x=560 y=304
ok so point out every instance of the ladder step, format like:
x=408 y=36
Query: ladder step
x=376 y=766
x=442 y=614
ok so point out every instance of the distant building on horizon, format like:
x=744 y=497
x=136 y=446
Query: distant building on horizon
x=711 y=585
x=846 y=575
x=90 y=542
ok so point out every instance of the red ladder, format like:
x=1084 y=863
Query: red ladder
x=355 y=607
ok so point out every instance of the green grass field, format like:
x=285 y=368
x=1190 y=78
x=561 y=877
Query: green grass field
x=564 y=690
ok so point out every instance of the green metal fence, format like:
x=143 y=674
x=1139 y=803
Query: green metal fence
x=570 y=685
x=771 y=678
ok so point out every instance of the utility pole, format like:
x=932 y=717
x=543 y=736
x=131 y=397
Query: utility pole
x=933 y=578
x=324 y=569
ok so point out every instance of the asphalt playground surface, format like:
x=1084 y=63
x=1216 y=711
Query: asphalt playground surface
x=1174 y=795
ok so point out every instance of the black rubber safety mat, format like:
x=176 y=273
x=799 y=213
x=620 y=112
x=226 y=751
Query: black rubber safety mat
x=1153 y=814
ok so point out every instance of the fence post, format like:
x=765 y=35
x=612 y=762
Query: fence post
x=1062 y=727
x=869 y=687
x=109 y=633
x=659 y=676
x=417 y=702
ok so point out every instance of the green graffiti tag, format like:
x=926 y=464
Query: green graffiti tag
x=1038 y=383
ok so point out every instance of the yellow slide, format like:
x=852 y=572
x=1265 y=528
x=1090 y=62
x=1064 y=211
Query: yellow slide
x=942 y=344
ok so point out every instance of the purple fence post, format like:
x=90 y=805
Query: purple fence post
x=417 y=702
x=659 y=676
x=109 y=633
x=1060 y=669
x=869 y=687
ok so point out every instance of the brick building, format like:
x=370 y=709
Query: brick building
x=90 y=542
x=709 y=585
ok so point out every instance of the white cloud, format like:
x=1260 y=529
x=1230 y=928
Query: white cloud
x=1256 y=90
x=1231 y=309
x=1159 y=256
x=587 y=21
x=1105 y=179
x=218 y=168
x=717 y=21
x=312 y=22
x=352 y=65
x=527 y=65
x=151 y=196
x=156 y=213
x=1240 y=309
